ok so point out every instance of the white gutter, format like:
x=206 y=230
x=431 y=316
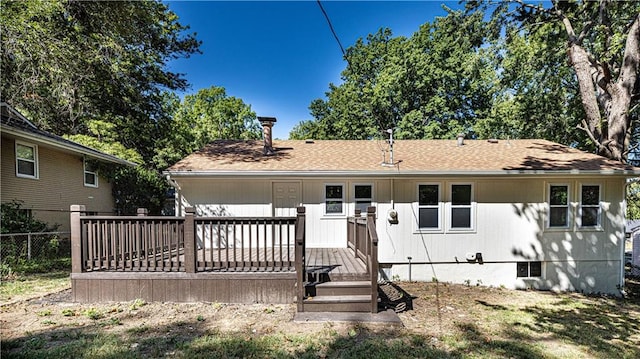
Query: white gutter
x=395 y=174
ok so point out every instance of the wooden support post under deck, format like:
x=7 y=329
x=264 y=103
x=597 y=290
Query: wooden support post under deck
x=76 y=210
x=300 y=258
x=189 y=240
x=373 y=256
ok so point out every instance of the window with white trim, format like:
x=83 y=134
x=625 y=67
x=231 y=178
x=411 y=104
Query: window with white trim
x=90 y=174
x=362 y=196
x=590 y=210
x=529 y=269
x=429 y=206
x=461 y=206
x=26 y=160
x=334 y=199
x=558 y=206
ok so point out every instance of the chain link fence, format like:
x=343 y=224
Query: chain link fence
x=16 y=247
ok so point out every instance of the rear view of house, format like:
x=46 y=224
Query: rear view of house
x=48 y=173
x=513 y=213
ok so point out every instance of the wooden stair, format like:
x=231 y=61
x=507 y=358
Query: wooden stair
x=338 y=296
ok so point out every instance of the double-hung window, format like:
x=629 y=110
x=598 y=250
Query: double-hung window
x=461 y=206
x=590 y=210
x=429 y=206
x=363 y=196
x=334 y=199
x=558 y=206
x=90 y=175
x=26 y=160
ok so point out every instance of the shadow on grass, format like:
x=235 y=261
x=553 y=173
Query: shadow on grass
x=193 y=340
x=603 y=325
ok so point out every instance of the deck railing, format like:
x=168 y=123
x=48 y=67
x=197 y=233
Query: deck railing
x=362 y=237
x=190 y=244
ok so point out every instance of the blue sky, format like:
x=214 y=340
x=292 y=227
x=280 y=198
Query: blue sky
x=279 y=56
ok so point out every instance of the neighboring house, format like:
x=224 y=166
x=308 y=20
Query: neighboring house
x=633 y=249
x=48 y=173
x=514 y=213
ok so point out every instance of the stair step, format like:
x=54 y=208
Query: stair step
x=338 y=303
x=343 y=288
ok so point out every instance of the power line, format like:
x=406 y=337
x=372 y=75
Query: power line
x=333 y=31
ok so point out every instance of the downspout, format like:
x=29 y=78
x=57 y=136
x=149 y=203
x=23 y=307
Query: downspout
x=624 y=211
x=178 y=202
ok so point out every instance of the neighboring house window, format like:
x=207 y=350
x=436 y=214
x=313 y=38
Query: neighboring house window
x=334 y=198
x=428 y=206
x=529 y=269
x=90 y=175
x=26 y=160
x=590 y=211
x=363 y=196
x=461 y=206
x=559 y=206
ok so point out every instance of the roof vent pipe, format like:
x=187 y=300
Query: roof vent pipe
x=267 y=124
x=460 y=139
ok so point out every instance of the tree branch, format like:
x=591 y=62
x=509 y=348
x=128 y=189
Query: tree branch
x=585 y=127
x=629 y=69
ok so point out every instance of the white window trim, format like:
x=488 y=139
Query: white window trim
x=354 y=199
x=439 y=206
x=472 y=206
x=84 y=175
x=598 y=226
x=568 y=205
x=324 y=202
x=36 y=169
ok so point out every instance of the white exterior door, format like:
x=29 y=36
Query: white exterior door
x=286 y=197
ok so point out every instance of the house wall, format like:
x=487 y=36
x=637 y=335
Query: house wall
x=60 y=184
x=510 y=227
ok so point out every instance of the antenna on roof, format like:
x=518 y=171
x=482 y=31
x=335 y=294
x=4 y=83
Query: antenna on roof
x=391 y=163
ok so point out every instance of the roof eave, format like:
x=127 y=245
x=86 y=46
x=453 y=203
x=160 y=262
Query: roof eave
x=73 y=148
x=309 y=173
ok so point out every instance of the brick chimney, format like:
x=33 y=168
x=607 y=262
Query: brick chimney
x=267 y=124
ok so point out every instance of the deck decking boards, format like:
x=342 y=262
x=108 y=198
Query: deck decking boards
x=339 y=261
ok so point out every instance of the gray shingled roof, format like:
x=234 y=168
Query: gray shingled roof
x=15 y=123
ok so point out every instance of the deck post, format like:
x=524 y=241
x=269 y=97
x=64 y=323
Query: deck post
x=373 y=256
x=300 y=257
x=77 y=210
x=189 y=240
x=355 y=232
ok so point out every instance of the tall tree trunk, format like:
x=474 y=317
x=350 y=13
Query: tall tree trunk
x=615 y=95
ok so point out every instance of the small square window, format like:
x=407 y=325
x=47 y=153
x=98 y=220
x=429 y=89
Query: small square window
x=90 y=175
x=523 y=269
x=529 y=269
x=26 y=160
x=429 y=206
x=334 y=199
x=363 y=197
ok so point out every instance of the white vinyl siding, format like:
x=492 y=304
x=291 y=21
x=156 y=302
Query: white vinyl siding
x=26 y=160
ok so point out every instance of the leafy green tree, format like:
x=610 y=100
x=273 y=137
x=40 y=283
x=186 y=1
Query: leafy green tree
x=66 y=63
x=423 y=85
x=201 y=118
x=601 y=42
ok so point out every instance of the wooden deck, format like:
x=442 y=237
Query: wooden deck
x=337 y=263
